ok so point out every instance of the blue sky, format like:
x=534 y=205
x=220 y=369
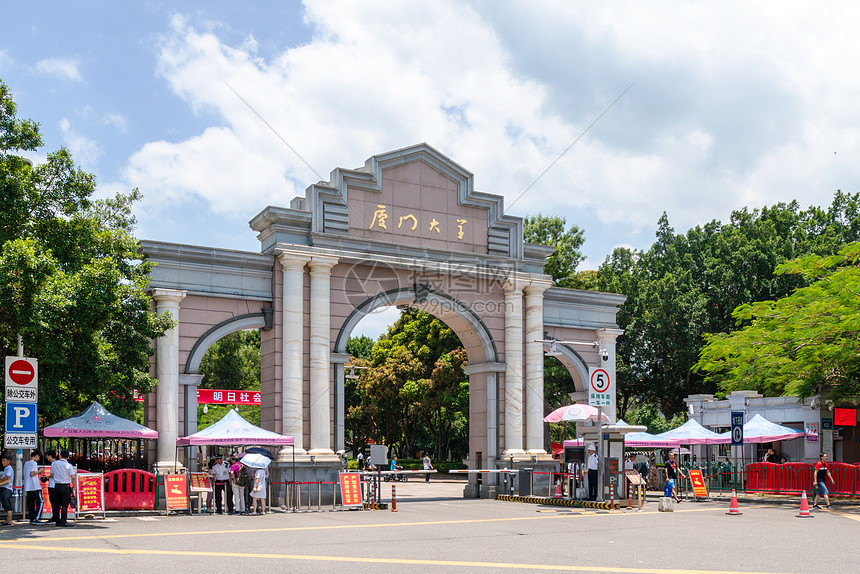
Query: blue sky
x=733 y=104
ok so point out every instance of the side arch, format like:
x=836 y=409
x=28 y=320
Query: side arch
x=574 y=363
x=261 y=320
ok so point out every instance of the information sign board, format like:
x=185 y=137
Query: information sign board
x=90 y=492
x=176 y=492
x=350 y=489
x=199 y=482
x=22 y=379
x=19 y=440
x=737 y=428
x=634 y=477
x=598 y=388
x=700 y=489
x=845 y=417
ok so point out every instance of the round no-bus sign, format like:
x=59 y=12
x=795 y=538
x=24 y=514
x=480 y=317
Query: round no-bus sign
x=20 y=371
x=22 y=379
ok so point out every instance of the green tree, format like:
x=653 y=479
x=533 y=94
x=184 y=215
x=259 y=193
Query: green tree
x=233 y=362
x=800 y=344
x=360 y=347
x=70 y=281
x=687 y=285
x=561 y=265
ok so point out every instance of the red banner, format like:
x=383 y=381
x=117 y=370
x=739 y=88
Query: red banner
x=176 y=491
x=845 y=417
x=350 y=489
x=199 y=482
x=227 y=397
x=700 y=490
x=90 y=492
x=46 y=499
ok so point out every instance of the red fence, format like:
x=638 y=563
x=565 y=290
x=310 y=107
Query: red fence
x=794 y=477
x=129 y=489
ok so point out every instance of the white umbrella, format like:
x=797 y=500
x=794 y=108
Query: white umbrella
x=255 y=460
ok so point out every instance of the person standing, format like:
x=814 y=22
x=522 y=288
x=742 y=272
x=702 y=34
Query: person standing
x=220 y=473
x=239 y=480
x=671 y=469
x=50 y=457
x=7 y=479
x=592 y=465
x=822 y=475
x=62 y=473
x=360 y=459
x=427 y=466
x=33 y=488
x=258 y=493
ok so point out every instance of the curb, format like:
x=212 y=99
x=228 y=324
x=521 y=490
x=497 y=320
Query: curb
x=554 y=501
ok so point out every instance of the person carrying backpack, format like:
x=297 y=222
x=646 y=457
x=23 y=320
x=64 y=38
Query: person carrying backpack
x=239 y=478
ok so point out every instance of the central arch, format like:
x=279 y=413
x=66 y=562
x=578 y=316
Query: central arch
x=483 y=370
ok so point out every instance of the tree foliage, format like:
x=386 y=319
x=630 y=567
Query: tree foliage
x=686 y=286
x=561 y=265
x=413 y=394
x=70 y=282
x=799 y=344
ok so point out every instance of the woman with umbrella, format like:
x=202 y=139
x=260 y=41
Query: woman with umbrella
x=257 y=464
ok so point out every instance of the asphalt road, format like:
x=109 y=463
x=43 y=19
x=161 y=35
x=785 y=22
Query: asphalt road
x=435 y=530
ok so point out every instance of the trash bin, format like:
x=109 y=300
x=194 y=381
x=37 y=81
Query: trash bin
x=524 y=482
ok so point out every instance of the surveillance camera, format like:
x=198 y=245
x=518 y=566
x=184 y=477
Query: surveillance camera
x=341 y=452
x=604 y=354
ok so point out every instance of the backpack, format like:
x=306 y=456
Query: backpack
x=242 y=477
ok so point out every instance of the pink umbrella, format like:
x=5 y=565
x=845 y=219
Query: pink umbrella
x=576 y=413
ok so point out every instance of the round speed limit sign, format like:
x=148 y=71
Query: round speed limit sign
x=599 y=381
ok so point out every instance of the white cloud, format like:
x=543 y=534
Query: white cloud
x=84 y=150
x=61 y=68
x=116 y=120
x=6 y=60
x=733 y=104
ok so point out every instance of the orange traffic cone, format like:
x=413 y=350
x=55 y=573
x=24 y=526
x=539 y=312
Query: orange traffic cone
x=733 y=507
x=804 y=507
x=558 y=493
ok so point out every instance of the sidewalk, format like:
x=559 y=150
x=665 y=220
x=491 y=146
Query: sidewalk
x=762 y=498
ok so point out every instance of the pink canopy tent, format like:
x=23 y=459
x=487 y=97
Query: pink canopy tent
x=758 y=429
x=97 y=422
x=232 y=429
x=692 y=432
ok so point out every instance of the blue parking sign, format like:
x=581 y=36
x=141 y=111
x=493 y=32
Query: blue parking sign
x=737 y=428
x=20 y=418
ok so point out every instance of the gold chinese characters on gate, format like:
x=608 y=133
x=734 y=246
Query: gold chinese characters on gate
x=410 y=222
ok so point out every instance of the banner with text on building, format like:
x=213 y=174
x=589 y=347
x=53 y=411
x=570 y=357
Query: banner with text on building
x=227 y=397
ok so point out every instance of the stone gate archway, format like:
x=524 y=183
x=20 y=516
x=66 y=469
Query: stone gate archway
x=407 y=228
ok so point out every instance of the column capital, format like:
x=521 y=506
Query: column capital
x=535 y=287
x=292 y=260
x=513 y=285
x=609 y=335
x=168 y=295
x=318 y=263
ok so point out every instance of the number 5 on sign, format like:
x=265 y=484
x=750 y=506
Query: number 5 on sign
x=598 y=388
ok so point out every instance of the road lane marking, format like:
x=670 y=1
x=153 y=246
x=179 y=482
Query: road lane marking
x=364 y=560
x=234 y=531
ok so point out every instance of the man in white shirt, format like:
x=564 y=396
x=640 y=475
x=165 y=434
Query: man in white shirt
x=63 y=472
x=592 y=465
x=7 y=479
x=32 y=487
x=220 y=472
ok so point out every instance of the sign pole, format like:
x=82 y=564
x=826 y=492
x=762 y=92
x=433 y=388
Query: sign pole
x=599 y=454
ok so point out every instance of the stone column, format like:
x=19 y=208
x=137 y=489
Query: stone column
x=189 y=384
x=320 y=405
x=606 y=341
x=514 y=368
x=292 y=379
x=534 y=367
x=167 y=373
